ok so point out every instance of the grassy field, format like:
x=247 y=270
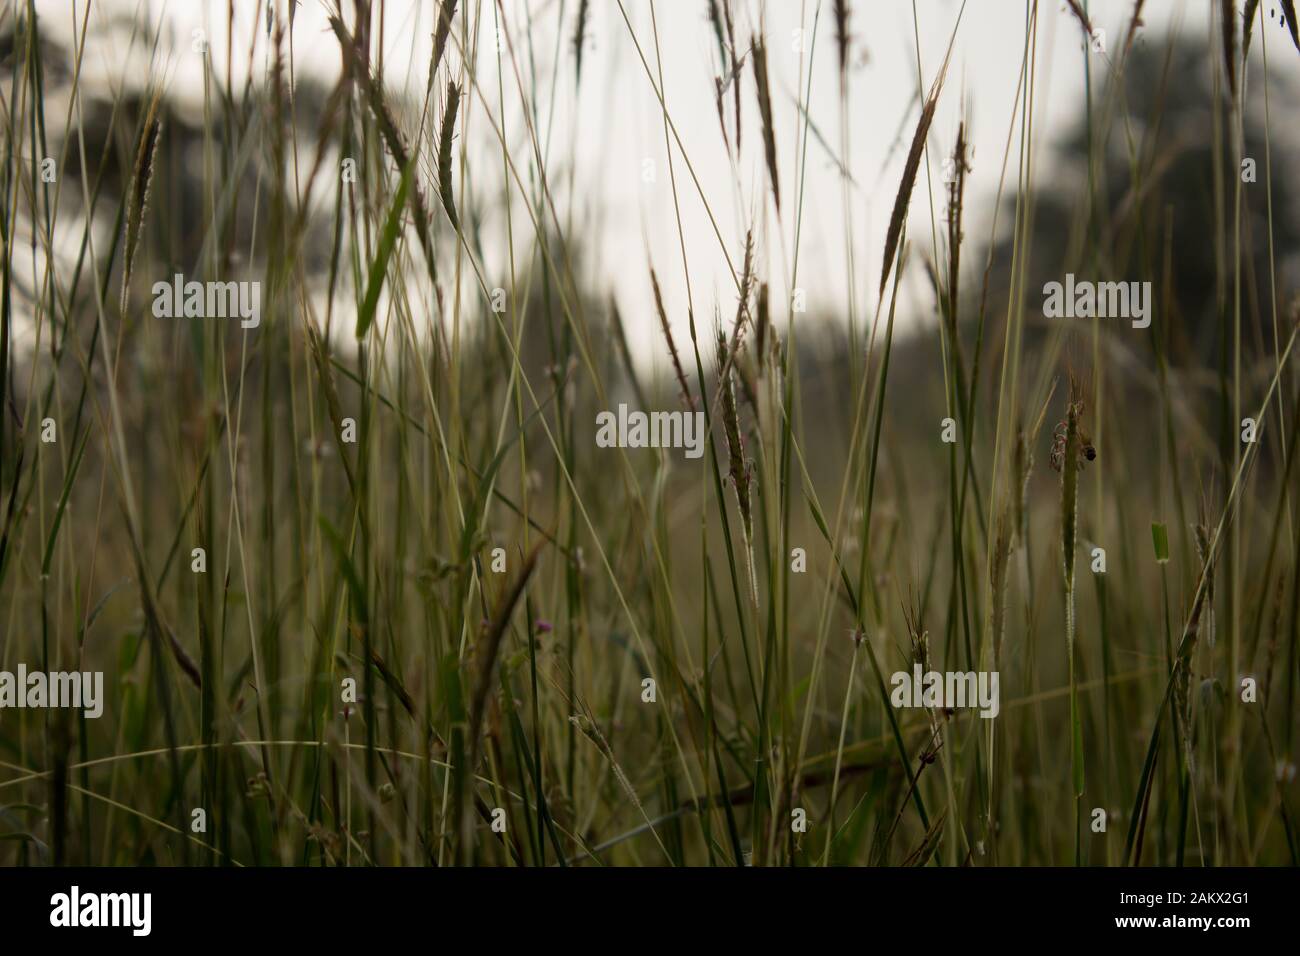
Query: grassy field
x=365 y=590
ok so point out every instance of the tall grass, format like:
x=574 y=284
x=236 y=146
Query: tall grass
x=437 y=625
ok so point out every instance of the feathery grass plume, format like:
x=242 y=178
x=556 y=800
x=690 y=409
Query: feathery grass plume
x=910 y=168
x=1228 y=28
x=842 y=35
x=445 y=185
x=738 y=467
x=446 y=13
x=1082 y=17
x=1288 y=10
x=758 y=50
x=687 y=399
x=579 y=39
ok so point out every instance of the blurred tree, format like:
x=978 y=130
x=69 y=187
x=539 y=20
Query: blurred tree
x=1162 y=172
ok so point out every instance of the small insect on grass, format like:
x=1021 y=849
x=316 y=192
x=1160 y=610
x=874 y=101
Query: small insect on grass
x=1087 y=451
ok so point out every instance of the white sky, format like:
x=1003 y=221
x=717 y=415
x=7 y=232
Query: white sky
x=617 y=124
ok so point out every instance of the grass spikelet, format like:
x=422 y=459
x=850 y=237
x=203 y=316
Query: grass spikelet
x=742 y=309
x=1248 y=26
x=1136 y=21
x=762 y=322
x=715 y=21
x=687 y=399
x=1069 y=540
x=359 y=71
x=579 y=40
x=1288 y=10
x=487 y=653
x=1024 y=467
x=759 y=53
x=730 y=80
x=446 y=13
x=746 y=287
x=842 y=35
x=718 y=89
x=1228 y=28
x=1081 y=15
x=728 y=65
x=489 y=648
x=1069 y=494
x=1206 y=556
x=956 y=200
x=910 y=168
x=446 y=188
x=141 y=180
x=737 y=466
x=736 y=62
x=999 y=559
